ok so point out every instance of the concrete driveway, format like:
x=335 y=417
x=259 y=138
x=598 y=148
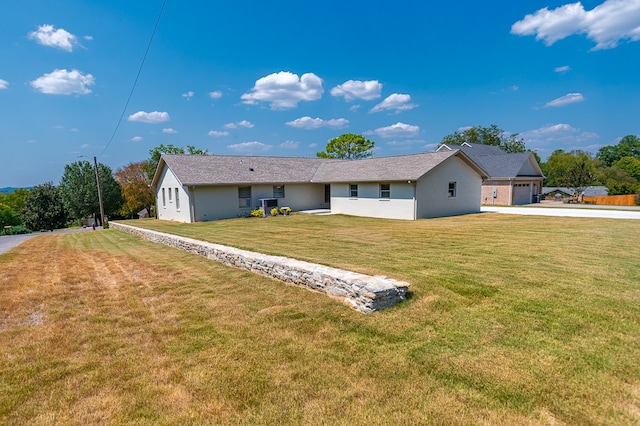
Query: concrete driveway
x=7 y=242
x=566 y=212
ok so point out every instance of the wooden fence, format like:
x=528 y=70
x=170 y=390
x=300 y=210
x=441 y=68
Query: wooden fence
x=612 y=200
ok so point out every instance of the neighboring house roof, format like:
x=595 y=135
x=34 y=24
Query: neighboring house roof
x=595 y=191
x=199 y=170
x=475 y=149
x=498 y=163
x=551 y=189
x=589 y=191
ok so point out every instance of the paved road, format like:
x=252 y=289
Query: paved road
x=7 y=242
x=566 y=212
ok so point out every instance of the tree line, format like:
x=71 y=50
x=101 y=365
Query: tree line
x=124 y=194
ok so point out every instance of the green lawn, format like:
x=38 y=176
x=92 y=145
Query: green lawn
x=512 y=320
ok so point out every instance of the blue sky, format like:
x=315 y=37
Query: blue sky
x=283 y=77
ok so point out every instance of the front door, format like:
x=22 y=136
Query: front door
x=327 y=195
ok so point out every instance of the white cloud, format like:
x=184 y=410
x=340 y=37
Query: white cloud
x=284 y=90
x=149 y=117
x=238 y=124
x=398 y=130
x=316 y=123
x=169 y=130
x=355 y=89
x=354 y=108
x=313 y=145
x=85 y=146
x=606 y=24
x=562 y=69
x=398 y=102
x=188 y=95
x=47 y=35
x=555 y=134
x=63 y=82
x=88 y=37
x=569 y=98
x=249 y=147
x=73 y=130
x=217 y=134
x=406 y=143
x=216 y=94
x=136 y=138
x=3 y=84
x=289 y=145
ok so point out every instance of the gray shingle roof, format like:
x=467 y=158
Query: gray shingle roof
x=195 y=170
x=504 y=166
x=397 y=168
x=473 y=150
x=498 y=163
x=225 y=170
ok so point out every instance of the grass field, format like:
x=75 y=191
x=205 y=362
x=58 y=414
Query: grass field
x=512 y=320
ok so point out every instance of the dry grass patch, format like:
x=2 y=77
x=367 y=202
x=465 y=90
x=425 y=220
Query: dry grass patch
x=513 y=321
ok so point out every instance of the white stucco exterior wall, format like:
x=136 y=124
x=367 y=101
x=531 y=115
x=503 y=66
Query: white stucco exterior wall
x=170 y=208
x=368 y=203
x=300 y=196
x=215 y=202
x=433 y=190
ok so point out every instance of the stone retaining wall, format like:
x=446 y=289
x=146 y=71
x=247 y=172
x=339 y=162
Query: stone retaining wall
x=364 y=293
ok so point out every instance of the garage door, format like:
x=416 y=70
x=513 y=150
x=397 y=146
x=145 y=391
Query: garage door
x=521 y=193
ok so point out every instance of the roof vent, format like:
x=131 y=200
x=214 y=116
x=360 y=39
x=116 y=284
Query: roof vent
x=251 y=169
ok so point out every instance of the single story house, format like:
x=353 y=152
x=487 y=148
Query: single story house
x=563 y=192
x=514 y=179
x=194 y=188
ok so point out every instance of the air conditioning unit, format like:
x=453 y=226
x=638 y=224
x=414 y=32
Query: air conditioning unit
x=266 y=204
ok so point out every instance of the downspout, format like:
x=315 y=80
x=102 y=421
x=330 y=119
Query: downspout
x=192 y=207
x=510 y=191
x=415 y=201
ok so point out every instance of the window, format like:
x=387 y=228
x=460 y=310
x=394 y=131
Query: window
x=353 y=191
x=244 y=197
x=164 y=200
x=452 y=189
x=385 y=190
x=169 y=191
x=177 y=200
x=278 y=191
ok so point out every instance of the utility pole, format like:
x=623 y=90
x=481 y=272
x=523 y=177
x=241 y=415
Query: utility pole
x=95 y=164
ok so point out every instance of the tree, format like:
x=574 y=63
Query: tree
x=11 y=205
x=155 y=153
x=136 y=188
x=492 y=135
x=44 y=208
x=631 y=165
x=80 y=193
x=629 y=146
x=575 y=170
x=618 y=181
x=348 y=146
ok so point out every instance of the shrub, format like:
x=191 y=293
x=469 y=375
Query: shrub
x=274 y=211
x=257 y=213
x=285 y=210
x=637 y=199
x=15 y=230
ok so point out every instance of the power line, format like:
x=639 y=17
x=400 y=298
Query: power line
x=135 y=82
